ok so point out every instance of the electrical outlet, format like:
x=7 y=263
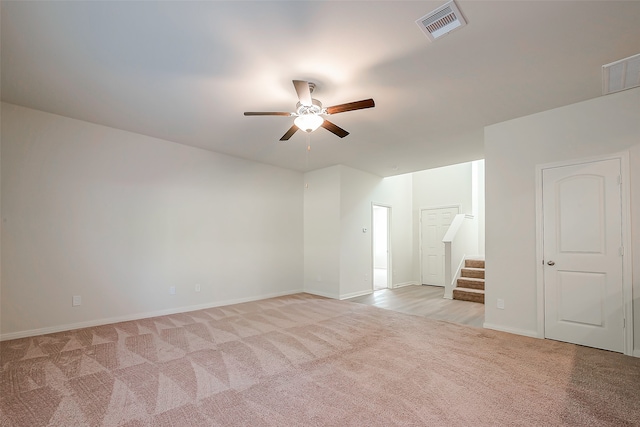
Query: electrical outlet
x=76 y=301
x=500 y=304
x=197 y=287
x=172 y=290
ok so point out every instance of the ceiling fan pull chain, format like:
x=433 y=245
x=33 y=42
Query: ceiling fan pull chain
x=308 y=150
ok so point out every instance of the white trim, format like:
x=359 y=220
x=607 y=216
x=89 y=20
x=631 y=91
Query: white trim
x=138 y=316
x=515 y=331
x=322 y=294
x=369 y=292
x=539 y=254
x=627 y=259
x=448 y=289
x=627 y=284
x=400 y=285
x=636 y=353
x=356 y=294
x=474 y=188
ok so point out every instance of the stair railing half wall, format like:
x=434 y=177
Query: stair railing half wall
x=460 y=241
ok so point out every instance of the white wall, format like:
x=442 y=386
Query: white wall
x=396 y=192
x=322 y=232
x=600 y=126
x=330 y=225
x=118 y=218
x=356 y=259
x=439 y=187
x=445 y=186
x=478 y=208
x=337 y=206
x=359 y=190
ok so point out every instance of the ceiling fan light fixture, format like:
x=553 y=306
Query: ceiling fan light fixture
x=308 y=122
x=309 y=111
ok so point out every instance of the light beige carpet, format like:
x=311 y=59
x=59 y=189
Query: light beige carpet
x=309 y=361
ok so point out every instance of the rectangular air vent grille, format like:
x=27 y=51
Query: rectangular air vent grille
x=441 y=21
x=621 y=75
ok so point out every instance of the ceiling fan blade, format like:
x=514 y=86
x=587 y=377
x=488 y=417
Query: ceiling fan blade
x=289 y=133
x=350 y=106
x=334 y=129
x=303 y=91
x=266 y=113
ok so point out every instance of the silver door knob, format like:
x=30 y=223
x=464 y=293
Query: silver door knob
x=551 y=263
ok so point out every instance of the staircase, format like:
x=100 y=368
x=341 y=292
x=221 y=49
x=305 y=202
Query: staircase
x=470 y=286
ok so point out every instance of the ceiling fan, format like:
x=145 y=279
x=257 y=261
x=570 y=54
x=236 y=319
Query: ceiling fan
x=309 y=112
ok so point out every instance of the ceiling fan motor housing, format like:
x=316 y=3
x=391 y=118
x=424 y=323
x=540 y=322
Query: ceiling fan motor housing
x=314 y=108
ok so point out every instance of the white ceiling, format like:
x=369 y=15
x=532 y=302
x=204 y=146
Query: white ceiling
x=186 y=71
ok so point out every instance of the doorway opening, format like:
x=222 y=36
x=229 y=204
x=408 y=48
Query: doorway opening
x=381 y=225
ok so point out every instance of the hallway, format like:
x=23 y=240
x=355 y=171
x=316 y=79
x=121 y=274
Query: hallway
x=425 y=301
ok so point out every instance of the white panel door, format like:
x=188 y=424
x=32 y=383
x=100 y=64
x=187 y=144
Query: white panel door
x=434 y=225
x=582 y=226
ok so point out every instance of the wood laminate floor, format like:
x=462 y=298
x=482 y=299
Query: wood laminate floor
x=426 y=301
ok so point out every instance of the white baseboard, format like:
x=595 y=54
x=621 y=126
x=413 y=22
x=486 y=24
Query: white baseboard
x=137 y=316
x=321 y=294
x=532 y=334
x=356 y=294
x=400 y=285
x=515 y=331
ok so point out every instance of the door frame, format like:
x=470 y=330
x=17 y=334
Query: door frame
x=420 y=249
x=373 y=249
x=627 y=258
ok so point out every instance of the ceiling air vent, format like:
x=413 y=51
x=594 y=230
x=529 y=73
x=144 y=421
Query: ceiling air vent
x=621 y=75
x=441 y=21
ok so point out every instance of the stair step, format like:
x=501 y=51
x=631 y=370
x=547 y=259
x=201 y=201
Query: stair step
x=467 y=294
x=470 y=282
x=474 y=263
x=475 y=272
